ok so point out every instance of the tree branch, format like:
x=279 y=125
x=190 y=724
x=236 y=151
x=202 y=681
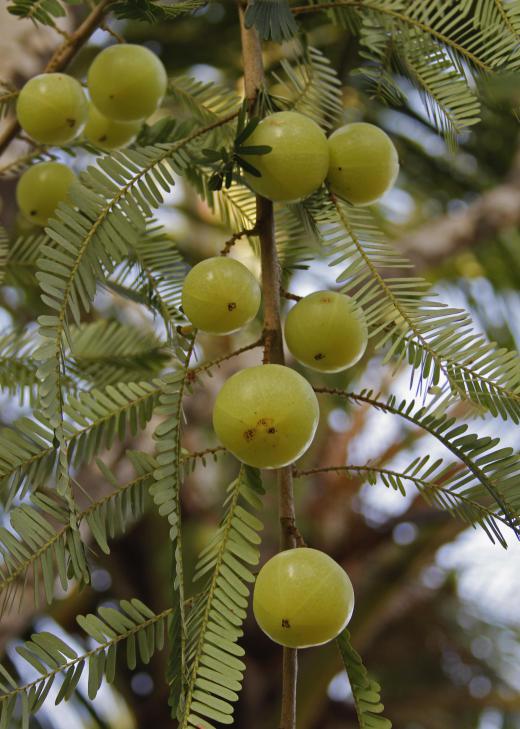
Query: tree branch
x=60 y=59
x=273 y=350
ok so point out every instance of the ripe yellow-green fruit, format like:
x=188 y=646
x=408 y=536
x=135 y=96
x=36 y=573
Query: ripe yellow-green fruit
x=298 y=161
x=52 y=108
x=302 y=598
x=220 y=295
x=363 y=163
x=326 y=331
x=41 y=188
x=266 y=416
x=127 y=82
x=107 y=133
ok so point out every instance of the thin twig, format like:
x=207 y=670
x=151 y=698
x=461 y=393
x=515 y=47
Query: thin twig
x=273 y=349
x=61 y=57
x=288 y=295
x=216 y=362
x=236 y=236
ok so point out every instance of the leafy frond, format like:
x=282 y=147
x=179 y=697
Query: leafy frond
x=432 y=479
x=18 y=370
x=435 y=339
x=8 y=95
x=40 y=11
x=28 y=453
x=313 y=87
x=204 y=102
x=272 y=19
x=133 y=628
x=154 y=11
x=214 y=671
x=166 y=495
x=108 y=352
x=365 y=691
x=489 y=474
x=156 y=271
x=21 y=264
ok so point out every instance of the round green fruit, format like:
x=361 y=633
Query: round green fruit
x=52 y=108
x=127 y=82
x=298 y=161
x=363 y=163
x=326 y=331
x=220 y=295
x=266 y=416
x=41 y=188
x=302 y=598
x=107 y=133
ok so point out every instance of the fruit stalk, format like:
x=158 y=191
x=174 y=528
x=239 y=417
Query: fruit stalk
x=61 y=58
x=273 y=349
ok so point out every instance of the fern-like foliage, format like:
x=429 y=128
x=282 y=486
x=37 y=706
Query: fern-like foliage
x=155 y=11
x=214 y=669
x=4 y=248
x=272 y=19
x=434 y=338
x=8 y=95
x=365 y=691
x=432 y=479
x=28 y=453
x=133 y=628
x=489 y=473
x=439 y=48
x=166 y=495
x=40 y=11
x=313 y=87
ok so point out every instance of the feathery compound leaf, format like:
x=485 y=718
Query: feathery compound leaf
x=8 y=96
x=313 y=86
x=133 y=624
x=154 y=11
x=214 y=672
x=434 y=338
x=166 y=495
x=108 y=352
x=204 y=102
x=365 y=691
x=28 y=456
x=272 y=19
x=490 y=474
x=41 y=11
x=432 y=479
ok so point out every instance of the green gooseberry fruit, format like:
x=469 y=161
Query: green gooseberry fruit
x=302 y=598
x=298 y=161
x=363 y=163
x=127 y=82
x=266 y=416
x=52 y=108
x=326 y=331
x=107 y=133
x=220 y=295
x=41 y=188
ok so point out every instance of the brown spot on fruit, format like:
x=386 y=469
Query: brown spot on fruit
x=271 y=430
x=33 y=212
x=231 y=306
x=102 y=138
x=285 y=623
x=249 y=435
x=319 y=356
x=71 y=122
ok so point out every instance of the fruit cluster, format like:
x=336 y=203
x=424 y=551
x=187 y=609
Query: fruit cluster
x=358 y=161
x=126 y=84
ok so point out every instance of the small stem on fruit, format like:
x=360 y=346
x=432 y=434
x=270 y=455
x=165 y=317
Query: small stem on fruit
x=236 y=236
x=288 y=295
x=119 y=38
x=273 y=348
x=61 y=58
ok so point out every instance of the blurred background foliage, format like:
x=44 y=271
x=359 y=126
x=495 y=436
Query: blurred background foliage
x=437 y=617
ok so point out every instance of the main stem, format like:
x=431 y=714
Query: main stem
x=273 y=350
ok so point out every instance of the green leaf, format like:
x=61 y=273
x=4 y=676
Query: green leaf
x=365 y=691
x=272 y=19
